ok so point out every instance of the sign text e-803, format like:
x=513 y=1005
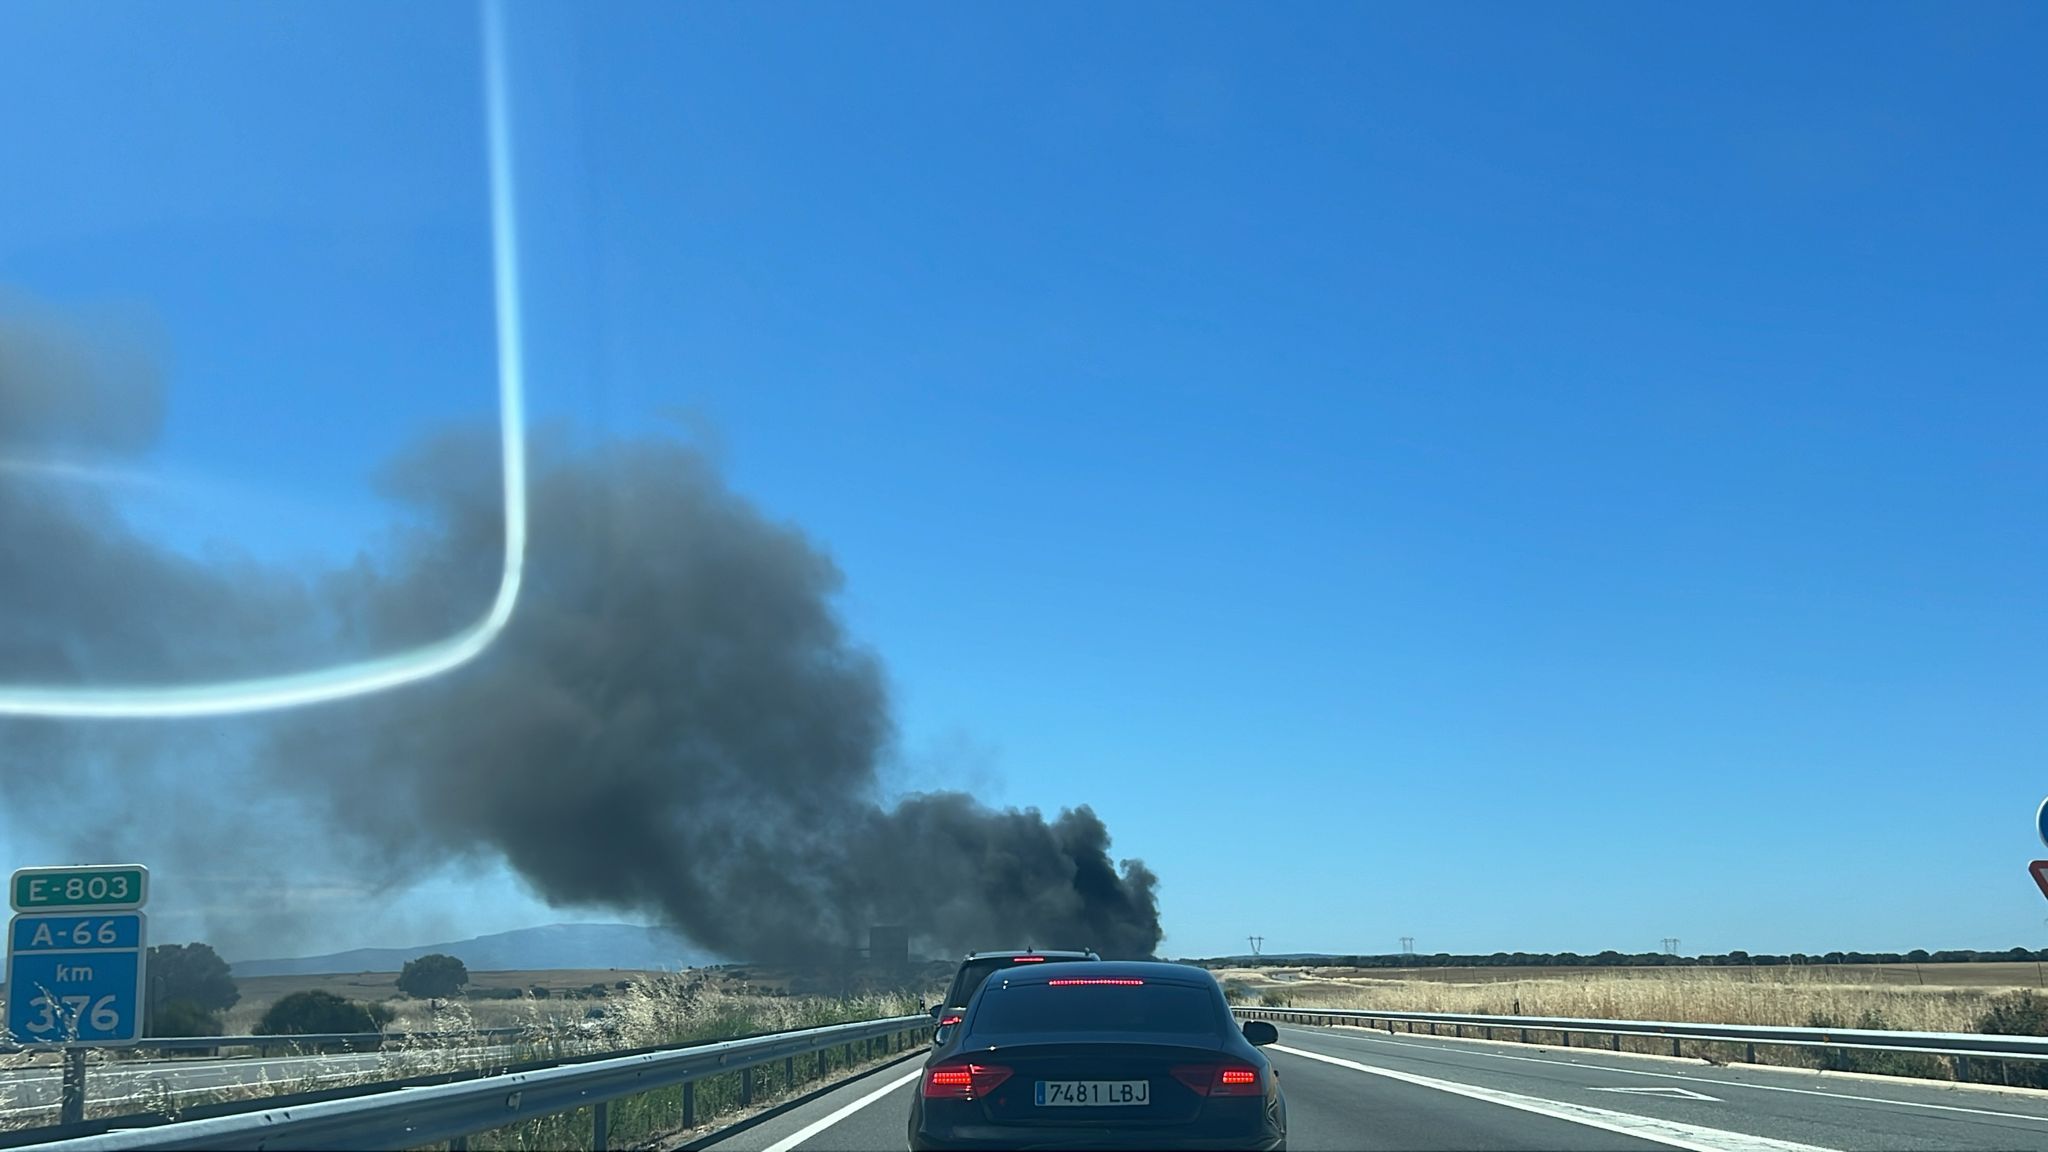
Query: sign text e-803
x=102 y=886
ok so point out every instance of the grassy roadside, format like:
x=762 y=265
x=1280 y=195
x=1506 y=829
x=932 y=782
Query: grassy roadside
x=653 y=1010
x=1804 y=998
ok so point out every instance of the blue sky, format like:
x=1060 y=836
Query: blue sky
x=1524 y=478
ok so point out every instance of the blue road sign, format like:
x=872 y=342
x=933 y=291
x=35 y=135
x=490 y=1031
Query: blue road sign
x=75 y=978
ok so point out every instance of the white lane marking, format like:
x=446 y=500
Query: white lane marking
x=1674 y=1093
x=816 y=1126
x=1691 y=1137
x=1721 y=1083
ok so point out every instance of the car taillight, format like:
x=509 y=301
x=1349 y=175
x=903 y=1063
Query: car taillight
x=1071 y=981
x=963 y=1081
x=1224 y=1080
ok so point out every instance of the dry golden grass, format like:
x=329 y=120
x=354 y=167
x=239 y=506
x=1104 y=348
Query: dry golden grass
x=1951 y=999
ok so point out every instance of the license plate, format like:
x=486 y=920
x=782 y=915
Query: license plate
x=1093 y=1093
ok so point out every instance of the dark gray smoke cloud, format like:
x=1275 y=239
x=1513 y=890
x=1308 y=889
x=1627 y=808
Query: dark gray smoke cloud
x=675 y=722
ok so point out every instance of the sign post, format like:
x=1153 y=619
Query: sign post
x=77 y=954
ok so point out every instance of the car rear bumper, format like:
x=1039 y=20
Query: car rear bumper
x=993 y=1137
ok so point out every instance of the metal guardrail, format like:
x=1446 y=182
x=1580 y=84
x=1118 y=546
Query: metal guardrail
x=1962 y=1045
x=264 y=1043
x=72 y=1108
x=98 y=1125
x=412 y=1117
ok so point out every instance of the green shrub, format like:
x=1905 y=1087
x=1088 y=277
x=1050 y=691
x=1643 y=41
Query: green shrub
x=1274 y=1000
x=432 y=976
x=184 y=1018
x=2016 y=1014
x=315 y=1011
x=193 y=972
x=1914 y=1064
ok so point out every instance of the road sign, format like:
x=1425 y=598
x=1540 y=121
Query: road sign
x=2041 y=821
x=2040 y=870
x=101 y=887
x=76 y=977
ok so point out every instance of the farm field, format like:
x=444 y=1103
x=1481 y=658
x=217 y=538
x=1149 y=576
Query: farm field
x=1933 y=997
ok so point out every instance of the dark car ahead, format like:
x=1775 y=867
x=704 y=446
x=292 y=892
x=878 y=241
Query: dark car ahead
x=979 y=966
x=1100 y=1055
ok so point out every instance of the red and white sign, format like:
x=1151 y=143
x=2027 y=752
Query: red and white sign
x=2040 y=870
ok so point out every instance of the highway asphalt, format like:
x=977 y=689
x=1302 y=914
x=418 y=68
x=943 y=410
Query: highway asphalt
x=1349 y=1088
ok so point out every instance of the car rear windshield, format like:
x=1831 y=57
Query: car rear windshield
x=972 y=975
x=1150 y=1008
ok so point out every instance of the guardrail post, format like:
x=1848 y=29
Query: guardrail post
x=73 y=1110
x=849 y=1053
x=1749 y=1056
x=1675 y=1042
x=689 y=1104
x=1525 y=1035
x=1617 y=1041
x=746 y=1087
x=600 y=1126
x=1962 y=1068
x=1567 y=1038
x=789 y=1074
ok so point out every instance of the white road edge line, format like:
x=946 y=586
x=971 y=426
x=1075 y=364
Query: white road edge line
x=1691 y=1137
x=816 y=1126
x=1715 y=1081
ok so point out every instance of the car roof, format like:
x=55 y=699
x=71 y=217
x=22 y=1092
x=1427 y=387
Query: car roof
x=1023 y=952
x=1159 y=970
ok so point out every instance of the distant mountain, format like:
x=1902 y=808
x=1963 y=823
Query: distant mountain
x=550 y=947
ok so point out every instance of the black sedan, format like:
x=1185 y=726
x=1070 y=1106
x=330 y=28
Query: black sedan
x=1100 y=1055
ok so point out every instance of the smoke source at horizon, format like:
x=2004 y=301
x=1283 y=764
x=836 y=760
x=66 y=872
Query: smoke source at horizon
x=675 y=723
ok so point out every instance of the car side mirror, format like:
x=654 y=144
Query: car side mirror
x=1261 y=1032
x=938 y=1010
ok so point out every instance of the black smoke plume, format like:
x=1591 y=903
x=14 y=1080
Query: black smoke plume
x=675 y=722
